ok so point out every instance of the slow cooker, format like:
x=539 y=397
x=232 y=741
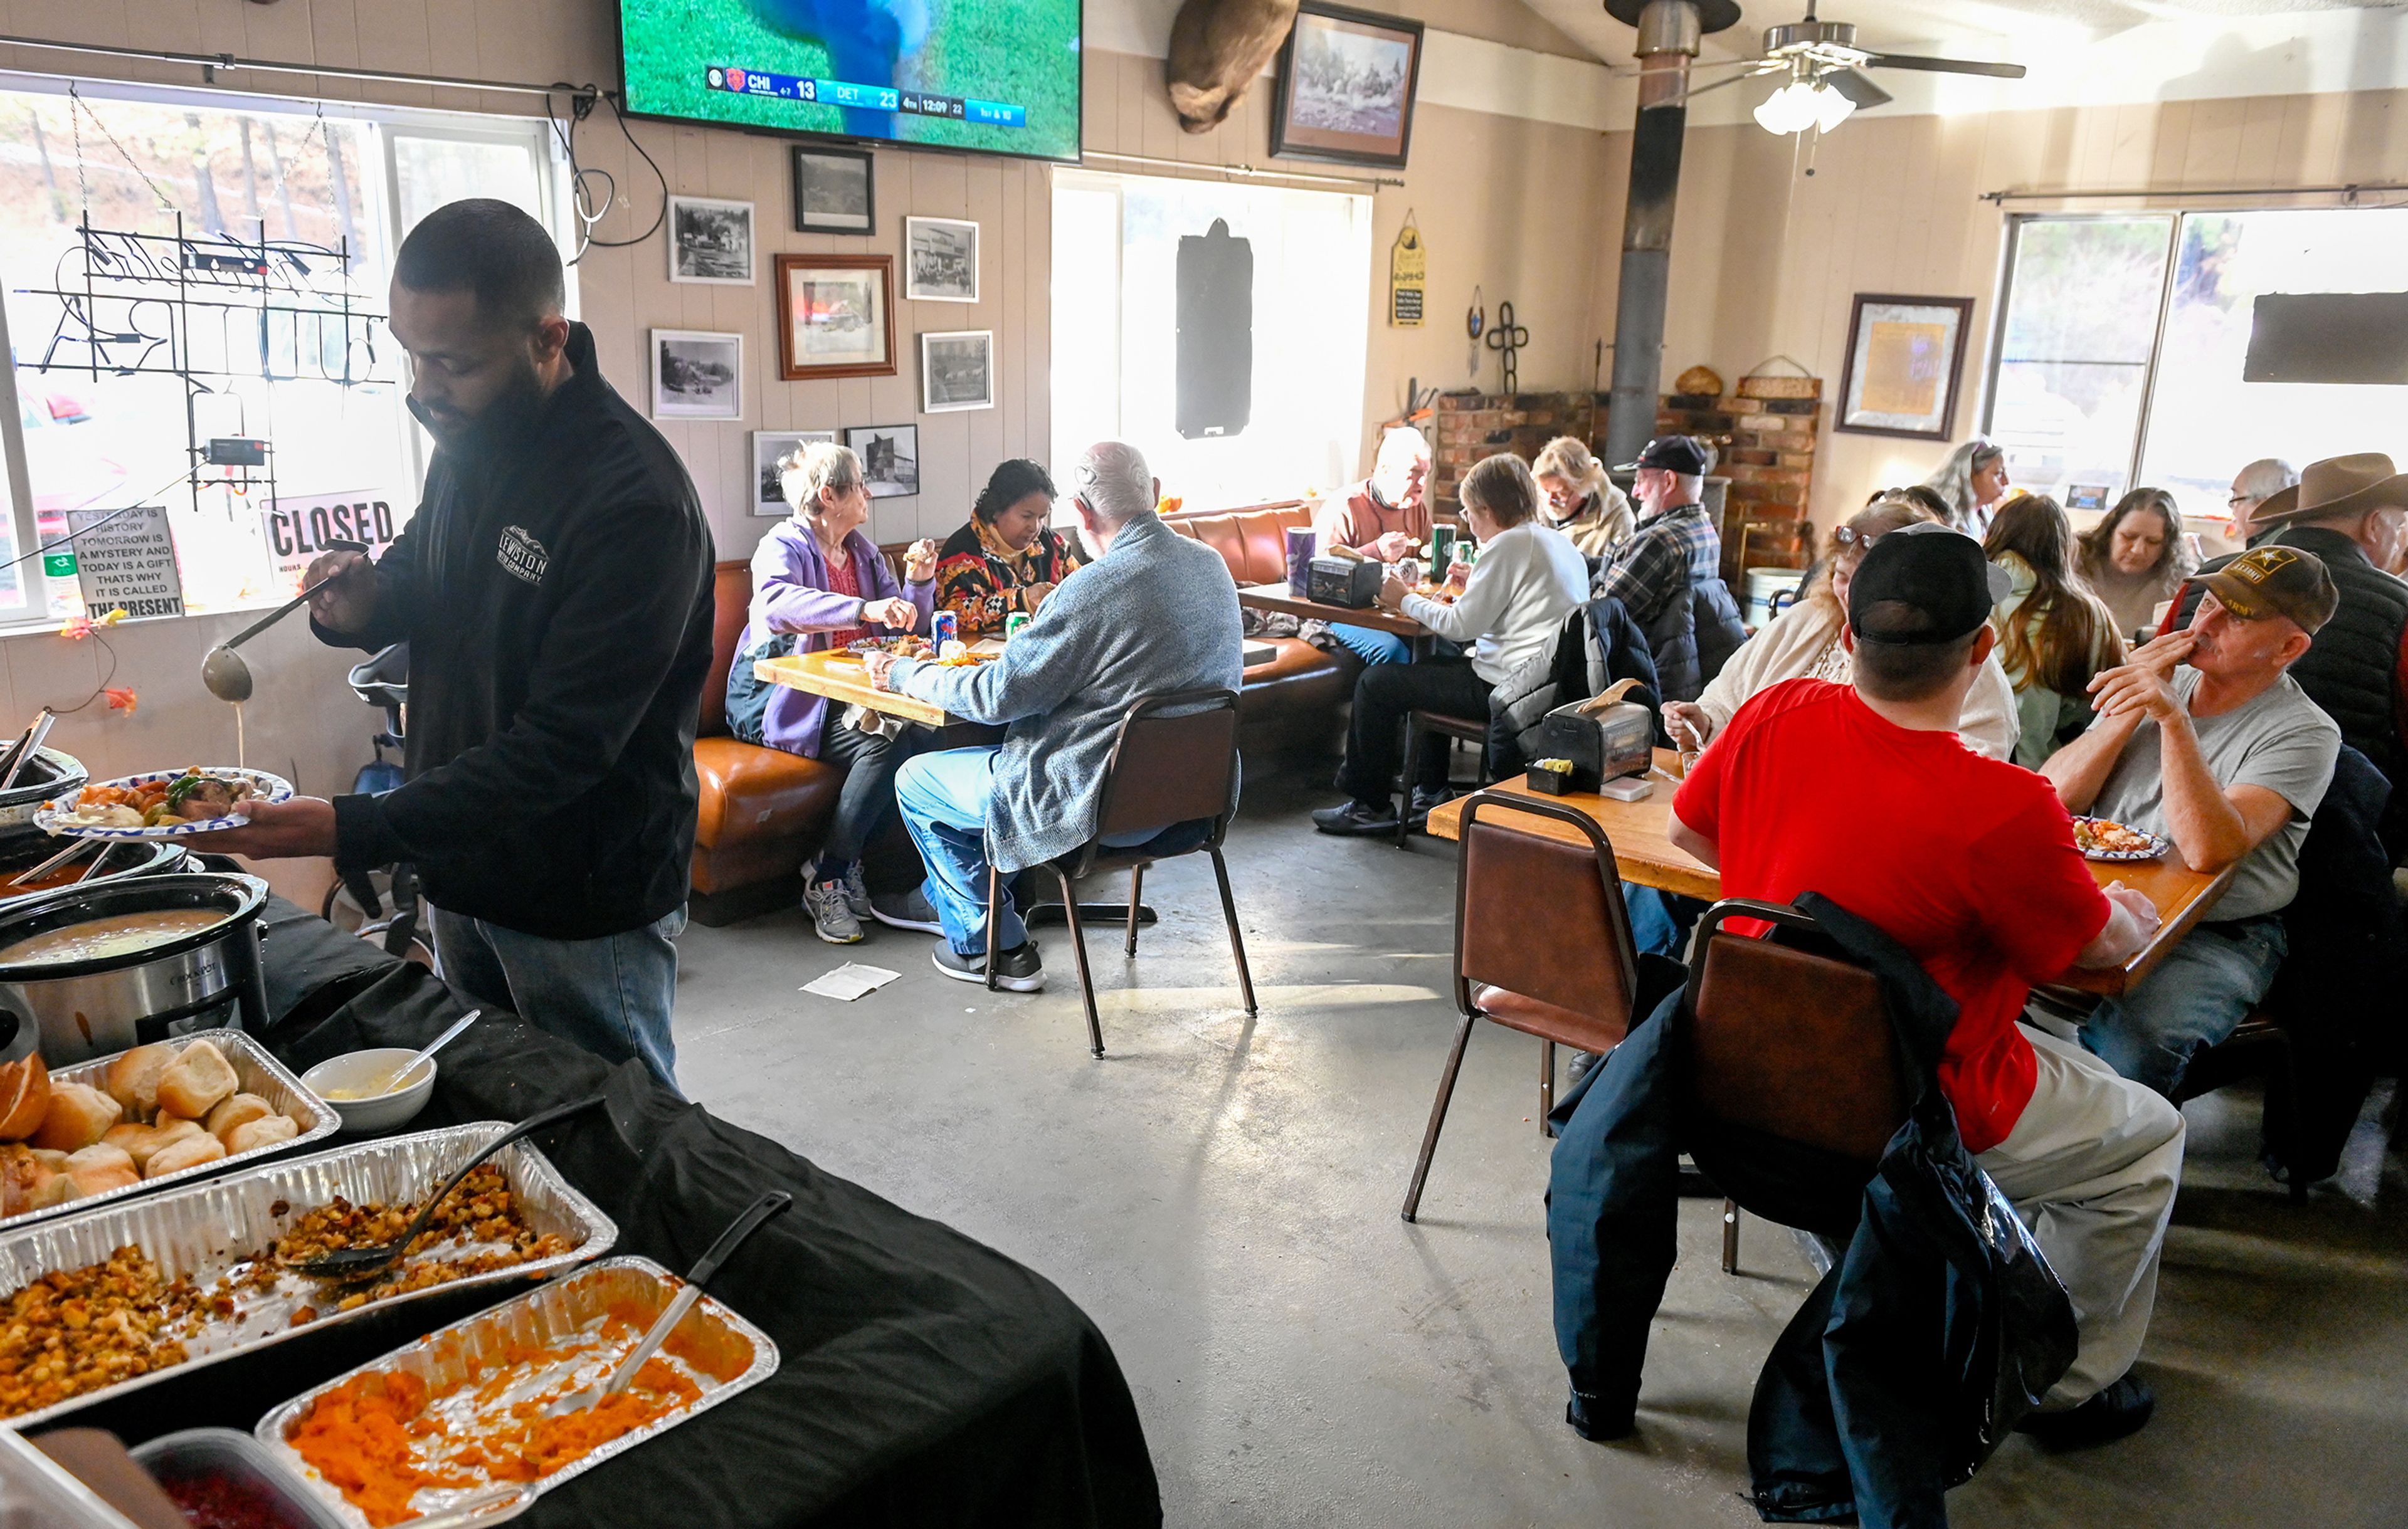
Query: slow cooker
x=48 y=775
x=75 y=1010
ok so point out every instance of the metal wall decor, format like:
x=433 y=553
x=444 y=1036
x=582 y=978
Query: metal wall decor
x=1507 y=339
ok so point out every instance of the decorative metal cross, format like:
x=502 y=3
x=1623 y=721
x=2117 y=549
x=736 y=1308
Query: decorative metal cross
x=1507 y=339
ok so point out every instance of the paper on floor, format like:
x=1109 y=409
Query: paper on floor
x=849 y=981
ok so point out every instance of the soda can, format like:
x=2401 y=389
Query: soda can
x=1013 y=622
x=946 y=628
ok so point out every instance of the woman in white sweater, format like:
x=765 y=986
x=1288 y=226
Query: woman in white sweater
x=1528 y=579
x=1804 y=640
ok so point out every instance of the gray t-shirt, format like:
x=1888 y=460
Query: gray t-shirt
x=2282 y=742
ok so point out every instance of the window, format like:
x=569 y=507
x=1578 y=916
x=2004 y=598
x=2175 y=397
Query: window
x=2121 y=340
x=176 y=273
x=1116 y=242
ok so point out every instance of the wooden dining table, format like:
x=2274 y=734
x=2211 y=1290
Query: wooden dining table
x=842 y=676
x=1646 y=856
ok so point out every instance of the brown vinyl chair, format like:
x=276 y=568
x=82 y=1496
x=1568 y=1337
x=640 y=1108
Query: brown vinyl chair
x=1542 y=945
x=1790 y=1042
x=1163 y=770
x=2257 y=1047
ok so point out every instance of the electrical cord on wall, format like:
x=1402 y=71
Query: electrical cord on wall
x=590 y=210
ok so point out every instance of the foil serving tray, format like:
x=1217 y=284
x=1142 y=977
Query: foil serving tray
x=260 y=1073
x=204 y=1231
x=543 y=1319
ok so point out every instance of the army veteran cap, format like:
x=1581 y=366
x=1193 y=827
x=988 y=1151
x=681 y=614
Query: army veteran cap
x=2275 y=581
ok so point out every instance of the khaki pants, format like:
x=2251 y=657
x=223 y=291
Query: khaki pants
x=2091 y=1167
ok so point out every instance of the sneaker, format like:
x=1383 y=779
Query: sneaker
x=905 y=911
x=1017 y=969
x=1426 y=799
x=1356 y=819
x=2123 y=1409
x=831 y=914
x=856 y=891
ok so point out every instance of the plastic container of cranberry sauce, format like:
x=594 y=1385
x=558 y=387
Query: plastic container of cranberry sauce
x=224 y=1479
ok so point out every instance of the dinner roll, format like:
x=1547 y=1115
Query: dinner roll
x=100 y=1155
x=192 y=1151
x=22 y=1176
x=241 y=1110
x=55 y=1161
x=78 y=1116
x=199 y=1078
x=266 y=1130
x=141 y=1141
x=100 y=1178
x=134 y=1079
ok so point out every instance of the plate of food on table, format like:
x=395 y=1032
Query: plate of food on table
x=2100 y=839
x=164 y=804
x=955 y=654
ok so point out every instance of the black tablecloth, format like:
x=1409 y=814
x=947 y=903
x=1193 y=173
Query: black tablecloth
x=924 y=1379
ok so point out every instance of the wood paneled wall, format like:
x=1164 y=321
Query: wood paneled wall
x=1767 y=259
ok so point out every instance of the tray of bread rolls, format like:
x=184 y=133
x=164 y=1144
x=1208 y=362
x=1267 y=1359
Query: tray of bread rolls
x=98 y=1304
x=146 y=1119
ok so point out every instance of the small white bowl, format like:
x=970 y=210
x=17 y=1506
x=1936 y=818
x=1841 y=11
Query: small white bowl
x=365 y=1070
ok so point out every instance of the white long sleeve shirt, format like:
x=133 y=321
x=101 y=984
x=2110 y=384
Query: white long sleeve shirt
x=1528 y=579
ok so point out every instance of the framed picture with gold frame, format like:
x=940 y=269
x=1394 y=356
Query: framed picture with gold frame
x=836 y=316
x=1906 y=357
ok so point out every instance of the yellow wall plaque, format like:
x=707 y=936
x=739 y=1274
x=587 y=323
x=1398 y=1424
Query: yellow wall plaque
x=1408 y=277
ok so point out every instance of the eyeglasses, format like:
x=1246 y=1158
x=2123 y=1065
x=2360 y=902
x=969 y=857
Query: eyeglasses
x=2240 y=499
x=1850 y=536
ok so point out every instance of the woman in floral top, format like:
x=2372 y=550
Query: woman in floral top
x=1007 y=558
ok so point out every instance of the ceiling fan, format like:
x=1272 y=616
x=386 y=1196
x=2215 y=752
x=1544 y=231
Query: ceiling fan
x=1825 y=66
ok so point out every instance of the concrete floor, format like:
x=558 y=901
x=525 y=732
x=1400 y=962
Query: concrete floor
x=1221 y=1196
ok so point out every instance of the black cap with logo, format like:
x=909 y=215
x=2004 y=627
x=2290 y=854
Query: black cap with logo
x=2276 y=581
x=1685 y=455
x=1923 y=584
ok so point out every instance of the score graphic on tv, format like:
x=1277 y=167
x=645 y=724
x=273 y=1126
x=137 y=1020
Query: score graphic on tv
x=1000 y=76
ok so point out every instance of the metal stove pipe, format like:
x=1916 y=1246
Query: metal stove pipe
x=1669 y=37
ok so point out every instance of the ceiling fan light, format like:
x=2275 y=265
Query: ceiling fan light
x=1832 y=109
x=1792 y=109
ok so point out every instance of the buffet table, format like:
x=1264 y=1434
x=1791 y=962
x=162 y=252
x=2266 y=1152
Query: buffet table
x=924 y=1379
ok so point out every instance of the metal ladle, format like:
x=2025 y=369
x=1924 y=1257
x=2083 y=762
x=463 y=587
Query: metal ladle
x=222 y=669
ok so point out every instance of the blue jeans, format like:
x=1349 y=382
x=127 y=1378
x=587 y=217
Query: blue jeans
x=610 y=995
x=2206 y=988
x=1373 y=647
x=1660 y=921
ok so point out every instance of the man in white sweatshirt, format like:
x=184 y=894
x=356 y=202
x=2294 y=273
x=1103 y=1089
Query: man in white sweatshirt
x=1528 y=579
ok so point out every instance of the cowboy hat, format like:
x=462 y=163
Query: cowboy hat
x=2337 y=486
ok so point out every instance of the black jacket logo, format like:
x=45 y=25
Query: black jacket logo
x=521 y=555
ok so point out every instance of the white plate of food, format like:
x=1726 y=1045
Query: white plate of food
x=162 y=804
x=2100 y=839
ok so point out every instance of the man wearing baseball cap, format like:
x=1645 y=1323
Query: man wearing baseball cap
x=2352 y=513
x=1669 y=572
x=1865 y=794
x=2205 y=740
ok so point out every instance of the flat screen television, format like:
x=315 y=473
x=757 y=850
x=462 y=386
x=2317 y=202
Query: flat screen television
x=995 y=76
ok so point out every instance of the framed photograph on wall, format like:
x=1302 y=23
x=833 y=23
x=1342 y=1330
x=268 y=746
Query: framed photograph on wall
x=890 y=458
x=836 y=316
x=711 y=241
x=697 y=376
x=1346 y=85
x=957 y=371
x=769 y=448
x=834 y=191
x=941 y=259
x=1906 y=356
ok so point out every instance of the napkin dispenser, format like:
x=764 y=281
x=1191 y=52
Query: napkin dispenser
x=1339 y=579
x=1606 y=737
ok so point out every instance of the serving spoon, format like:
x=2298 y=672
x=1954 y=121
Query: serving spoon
x=393 y=1079
x=623 y=1373
x=352 y=1264
x=224 y=671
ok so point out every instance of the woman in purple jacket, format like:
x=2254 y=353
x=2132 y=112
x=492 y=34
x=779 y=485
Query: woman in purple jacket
x=819 y=584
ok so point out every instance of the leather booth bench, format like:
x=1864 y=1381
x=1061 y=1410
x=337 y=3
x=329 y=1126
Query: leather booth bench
x=764 y=811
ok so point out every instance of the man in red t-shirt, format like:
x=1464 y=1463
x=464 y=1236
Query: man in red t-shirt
x=1866 y=796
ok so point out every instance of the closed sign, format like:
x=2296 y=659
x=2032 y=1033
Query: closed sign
x=299 y=528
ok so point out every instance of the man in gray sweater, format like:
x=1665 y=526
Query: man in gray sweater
x=1153 y=612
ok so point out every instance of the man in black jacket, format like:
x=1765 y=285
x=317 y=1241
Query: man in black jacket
x=2352 y=513
x=555 y=589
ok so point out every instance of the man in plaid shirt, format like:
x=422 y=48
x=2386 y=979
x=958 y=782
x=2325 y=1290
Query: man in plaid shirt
x=1675 y=545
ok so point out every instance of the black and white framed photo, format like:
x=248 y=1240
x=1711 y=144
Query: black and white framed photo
x=940 y=260
x=1346 y=85
x=957 y=371
x=697 y=374
x=770 y=448
x=711 y=241
x=890 y=458
x=834 y=191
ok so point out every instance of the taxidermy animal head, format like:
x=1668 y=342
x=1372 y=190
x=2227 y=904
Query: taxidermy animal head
x=1217 y=49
